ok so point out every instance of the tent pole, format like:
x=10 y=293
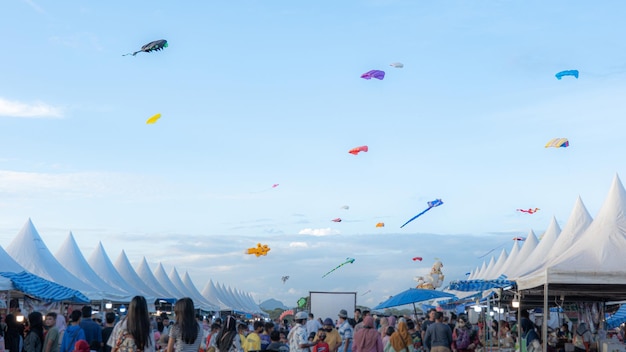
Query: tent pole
x=415 y=311
x=546 y=317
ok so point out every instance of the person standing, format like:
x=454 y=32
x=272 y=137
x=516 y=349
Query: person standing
x=136 y=326
x=34 y=339
x=345 y=331
x=332 y=335
x=73 y=333
x=227 y=340
x=93 y=331
x=109 y=322
x=367 y=339
x=298 y=336
x=312 y=325
x=186 y=333
x=51 y=341
x=438 y=335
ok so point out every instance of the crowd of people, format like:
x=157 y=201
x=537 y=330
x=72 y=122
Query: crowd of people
x=138 y=330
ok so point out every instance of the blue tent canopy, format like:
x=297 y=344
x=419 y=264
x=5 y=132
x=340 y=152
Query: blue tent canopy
x=480 y=285
x=617 y=318
x=43 y=289
x=413 y=295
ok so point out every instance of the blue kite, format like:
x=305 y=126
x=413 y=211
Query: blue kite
x=567 y=73
x=434 y=203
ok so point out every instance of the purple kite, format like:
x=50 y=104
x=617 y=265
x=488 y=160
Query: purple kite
x=373 y=74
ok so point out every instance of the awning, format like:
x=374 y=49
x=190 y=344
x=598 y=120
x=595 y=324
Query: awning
x=42 y=289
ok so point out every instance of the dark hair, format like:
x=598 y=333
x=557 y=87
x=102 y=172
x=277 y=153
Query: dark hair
x=390 y=330
x=86 y=311
x=275 y=336
x=438 y=315
x=75 y=315
x=268 y=326
x=52 y=314
x=110 y=317
x=258 y=324
x=358 y=310
x=242 y=326
x=186 y=319
x=311 y=336
x=35 y=321
x=410 y=324
x=215 y=326
x=138 y=322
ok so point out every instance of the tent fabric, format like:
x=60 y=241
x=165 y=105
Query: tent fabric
x=126 y=271
x=101 y=264
x=164 y=280
x=202 y=302
x=30 y=251
x=480 y=285
x=412 y=295
x=8 y=264
x=144 y=272
x=538 y=256
x=596 y=258
x=617 y=318
x=210 y=293
x=42 y=289
x=492 y=273
x=70 y=256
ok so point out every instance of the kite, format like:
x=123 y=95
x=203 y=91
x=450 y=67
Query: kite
x=345 y=207
x=150 y=47
x=397 y=64
x=519 y=239
x=567 y=73
x=380 y=224
x=348 y=260
x=355 y=151
x=267 y=189
x=302 y=302
x=514 y=239
x=366 y=292
x=558 y=143
x=378 y=74
x=417 y=258
x=259 y=250
x=529 y=211
x=336 y=220
x=284 y=278
x=434 y=203
x=275 y=185
x=153 y=119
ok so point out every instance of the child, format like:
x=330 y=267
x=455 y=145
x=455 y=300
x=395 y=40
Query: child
x=320 y=346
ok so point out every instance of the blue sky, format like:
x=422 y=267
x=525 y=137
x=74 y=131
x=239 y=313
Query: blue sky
x=254 y=93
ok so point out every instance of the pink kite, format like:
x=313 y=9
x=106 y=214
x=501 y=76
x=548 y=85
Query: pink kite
x=417 y=258
x=355 y=151
x=378 y=74
x=336 y=220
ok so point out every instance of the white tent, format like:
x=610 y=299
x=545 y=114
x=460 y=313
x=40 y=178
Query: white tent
x=70 y=256
x=197 y=296
x=595 y=262
x=492 y=273
x=102 y=265
x=538 y=256
x=29 y=250
x=7 y=264
x=126 y=271
x=210 y=293
x=161 y=276
x=144 y=272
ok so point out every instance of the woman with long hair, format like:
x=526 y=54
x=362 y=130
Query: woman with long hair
x=136 y=326
x=228 y=339
x=34 y=339
x=367 y=339
x=186 y=333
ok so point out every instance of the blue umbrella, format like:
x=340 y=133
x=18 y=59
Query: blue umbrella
x=413 y=295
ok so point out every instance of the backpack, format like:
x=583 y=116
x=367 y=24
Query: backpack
x=462 y=339
x=125 y=343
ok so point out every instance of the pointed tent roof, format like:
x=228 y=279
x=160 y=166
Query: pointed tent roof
x=144 y=272
x=539 y=255
x=510 y=259
x=597 y=258
x=29 y=250
x=577 y=223
x=492 y=274
x=224 y=297
x=101 y=264
x=126 y=271
x=197 y=296
x=237 y=299
x=482 y=270
x=8 y=264
x=249 y=301
x=490 y=267
x=72 y=259
x=525 y=252
x=161 y=276
x=178 y=283
x=210 y=293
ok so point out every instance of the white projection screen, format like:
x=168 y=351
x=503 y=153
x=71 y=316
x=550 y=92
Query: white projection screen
x=328 y=304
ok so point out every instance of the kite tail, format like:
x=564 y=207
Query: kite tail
x=133 y=54
x=416 y=216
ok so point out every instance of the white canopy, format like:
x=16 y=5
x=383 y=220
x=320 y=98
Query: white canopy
x=161 y=276
x=70 y=256
x=122 y=264
x=197 y=296
x=144 y=272
x=101 y=264
x=29 y=250
x=210 y=293
x=539 y=254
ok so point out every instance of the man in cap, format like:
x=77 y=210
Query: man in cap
x=332 y=336
x=298 y=337
x=345 y=331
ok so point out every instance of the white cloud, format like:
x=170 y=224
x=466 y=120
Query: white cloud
x=319 y=232
x=34 y=110
x=298 y=245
